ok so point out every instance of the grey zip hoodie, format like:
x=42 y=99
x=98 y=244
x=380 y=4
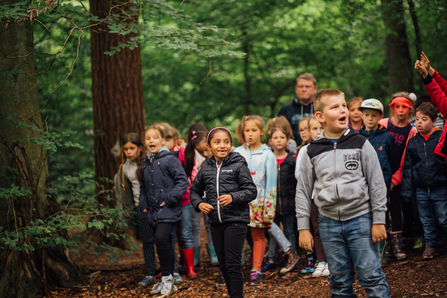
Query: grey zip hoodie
x=346 y=178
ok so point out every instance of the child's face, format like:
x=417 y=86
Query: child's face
x=424 y=124
x=355 y=115
x=371 y=119
x=401 y=112
x=315 y=128
x=203 y=149
x=220 y=145
x=170 y=143
x=252 y=133
x=153 y=141
x=334 y=116
x=131 y=151
x=279 y=140
x=304 y=131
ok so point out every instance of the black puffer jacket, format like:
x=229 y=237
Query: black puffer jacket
x=232 y=177
x=422 y=168
x=285 y=201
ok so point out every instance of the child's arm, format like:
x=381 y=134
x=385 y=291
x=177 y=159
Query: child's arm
x=425 y=63
x=271 y=181
x=143 y=198
x=407 y=190
x=247 y=188
x=305 y=185
x=180 y=179
x=298 y=161
x=436 y=94
x=196 y=194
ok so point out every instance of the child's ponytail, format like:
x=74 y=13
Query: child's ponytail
x=196 y=134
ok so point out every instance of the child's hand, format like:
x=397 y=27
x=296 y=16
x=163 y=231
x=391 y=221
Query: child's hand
x=392 y=186
x=306 y=240
x=421 y=69
x=225 y=200
x=205 y=208
x=162 y=204
x=145 y=210
x=378 y=233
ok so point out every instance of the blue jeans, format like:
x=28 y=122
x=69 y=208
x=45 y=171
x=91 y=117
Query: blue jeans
x=288 y=224
x=348 y=245
x=185 y=224
x=432 y=205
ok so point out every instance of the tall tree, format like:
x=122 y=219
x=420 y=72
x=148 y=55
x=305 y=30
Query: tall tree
x=24 y=173
x=397 y=50
x=117 y=88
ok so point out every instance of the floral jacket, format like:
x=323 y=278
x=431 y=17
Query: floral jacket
x=263 y=168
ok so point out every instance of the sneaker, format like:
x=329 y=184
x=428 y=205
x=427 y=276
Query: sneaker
x=418 y=243
x=429 y=253
x=148 y=280
x=292 y=259
x=177 y=279
x=221 y=282
x=326 y=271
x=268 y=267
x=319 y=269
x=167 y=285
x=255 y=278
x=156 y=288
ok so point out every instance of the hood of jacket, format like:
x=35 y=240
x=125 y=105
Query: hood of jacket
x=163 y=151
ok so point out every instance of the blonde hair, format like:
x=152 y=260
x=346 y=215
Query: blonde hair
x=157 y=127
x=311 y=118
x=257 y=119
x=283 y=122
x=320 y=98
x=353 y=100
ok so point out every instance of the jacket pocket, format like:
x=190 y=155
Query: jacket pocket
x=165 y=214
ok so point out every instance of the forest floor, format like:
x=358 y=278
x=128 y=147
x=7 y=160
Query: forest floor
x=412 y=277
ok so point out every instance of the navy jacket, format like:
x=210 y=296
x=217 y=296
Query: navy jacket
x=233 y=178
x=383 y=143
x=163 y=180
x=294 y=112
x=285 y=201
x=422 y=167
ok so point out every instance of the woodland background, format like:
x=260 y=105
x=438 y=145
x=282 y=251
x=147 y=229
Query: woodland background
x=77 y=75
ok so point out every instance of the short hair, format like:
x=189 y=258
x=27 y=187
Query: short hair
x=257 y=119
x=429 y=110
x=321 y=97
x=423 y=99
x=353 y=100
x=307 y=76
x=283 y=122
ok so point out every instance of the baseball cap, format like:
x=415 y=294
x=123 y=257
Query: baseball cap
x=372 y=104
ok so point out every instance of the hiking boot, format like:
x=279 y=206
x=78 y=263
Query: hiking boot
x=221 y=282
x=177 y=279
x=319 y=269
x=255 y=278
x=429 y=253
x=418 y=243
x=148 y=280
x=167 y=285
x=396 y=244
x=292 y=259
x=268 y=267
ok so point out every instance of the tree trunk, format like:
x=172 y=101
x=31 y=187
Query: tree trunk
x=23 y=273
x=397 y=52
x=117 y=91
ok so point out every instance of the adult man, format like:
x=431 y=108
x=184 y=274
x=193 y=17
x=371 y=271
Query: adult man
x=302 y=105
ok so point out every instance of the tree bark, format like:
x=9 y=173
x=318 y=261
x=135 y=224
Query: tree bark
x=117 y=91
x=23 y=273
x=397 y=52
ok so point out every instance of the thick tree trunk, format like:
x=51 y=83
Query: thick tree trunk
x=23 y=273
x=397 y=52
x=117 y=90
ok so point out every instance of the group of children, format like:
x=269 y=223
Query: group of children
x=354 y=176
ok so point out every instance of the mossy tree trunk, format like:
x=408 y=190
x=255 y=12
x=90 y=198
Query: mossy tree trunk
x=23 y=273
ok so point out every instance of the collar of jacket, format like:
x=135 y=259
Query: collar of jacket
x=380 y=129
x=159 y=153
x=260 y=149
x=321 y=139
x=436 y=131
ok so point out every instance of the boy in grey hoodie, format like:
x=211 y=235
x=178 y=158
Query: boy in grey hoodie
x=342 y=172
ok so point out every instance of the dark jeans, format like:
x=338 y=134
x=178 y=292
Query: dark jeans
x=319 y=250
x=147 y=237
x=165 y=250
x=228 y=242
x=396 y=209
x=410 y=224
x=432 y=203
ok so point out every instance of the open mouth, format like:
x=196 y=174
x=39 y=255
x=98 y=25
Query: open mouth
x=152 y=147
x=342 y=120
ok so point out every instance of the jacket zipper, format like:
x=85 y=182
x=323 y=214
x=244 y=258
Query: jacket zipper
x=336 y=177
x=279 y=189
x=217 y=189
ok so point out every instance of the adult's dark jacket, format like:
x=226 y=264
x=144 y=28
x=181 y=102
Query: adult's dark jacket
x=294 y=112
x=285 y=201
x=233 y=178
x=422 y=168
x=163 y=180
x=383 y=143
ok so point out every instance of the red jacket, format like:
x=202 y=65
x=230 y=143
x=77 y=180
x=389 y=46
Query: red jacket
x=437 y=89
